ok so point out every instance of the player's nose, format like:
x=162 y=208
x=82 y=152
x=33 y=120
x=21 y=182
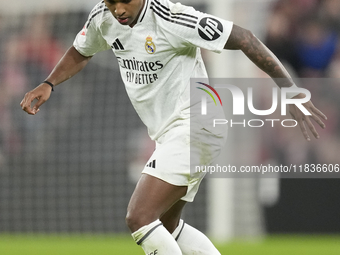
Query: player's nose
x=120 y=10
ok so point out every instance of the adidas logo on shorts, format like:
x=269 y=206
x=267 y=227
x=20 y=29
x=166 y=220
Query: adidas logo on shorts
x=152 y=164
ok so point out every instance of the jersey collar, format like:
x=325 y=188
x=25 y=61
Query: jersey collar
x=143 y=12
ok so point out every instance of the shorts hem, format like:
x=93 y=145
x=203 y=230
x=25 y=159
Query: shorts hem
x=189 y=196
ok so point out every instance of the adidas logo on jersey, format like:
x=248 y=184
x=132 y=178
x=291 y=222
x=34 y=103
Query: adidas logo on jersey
x=117 y=45
x=152 y=164
x=154 y=252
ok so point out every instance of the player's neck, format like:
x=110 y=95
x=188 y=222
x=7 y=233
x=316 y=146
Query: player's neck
x=137 y=18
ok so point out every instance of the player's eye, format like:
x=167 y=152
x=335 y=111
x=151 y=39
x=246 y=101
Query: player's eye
x=118 y=1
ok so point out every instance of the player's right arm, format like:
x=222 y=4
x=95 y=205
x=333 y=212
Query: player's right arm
x=244 y=40
x=69 y=65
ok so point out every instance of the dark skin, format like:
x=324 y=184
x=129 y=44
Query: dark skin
x=153 y=198
x=125 y=11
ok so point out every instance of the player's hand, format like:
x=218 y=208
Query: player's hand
x=42 y=93
x=304 y=120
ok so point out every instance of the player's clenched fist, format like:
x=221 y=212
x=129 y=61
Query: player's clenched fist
x=42 y=93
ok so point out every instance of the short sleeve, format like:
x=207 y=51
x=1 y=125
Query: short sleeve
x=184 y=26
x=89 y=40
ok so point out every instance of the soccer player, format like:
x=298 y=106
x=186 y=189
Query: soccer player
x=157 y=44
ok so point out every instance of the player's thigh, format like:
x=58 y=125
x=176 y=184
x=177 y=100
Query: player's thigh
x=151 y=199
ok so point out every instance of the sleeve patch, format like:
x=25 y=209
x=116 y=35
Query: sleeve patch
x=210 y=29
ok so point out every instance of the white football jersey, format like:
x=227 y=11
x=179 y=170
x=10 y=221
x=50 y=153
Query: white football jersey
x=157 y=57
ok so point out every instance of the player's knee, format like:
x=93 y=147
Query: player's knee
x=131 y=221
x=135 y=219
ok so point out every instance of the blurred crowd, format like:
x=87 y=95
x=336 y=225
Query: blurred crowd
x=305 y=35
x=28 y=53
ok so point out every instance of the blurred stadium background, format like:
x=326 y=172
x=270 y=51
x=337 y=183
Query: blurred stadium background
x=66 y=175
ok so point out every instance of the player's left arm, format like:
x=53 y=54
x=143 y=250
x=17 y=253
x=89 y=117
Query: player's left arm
x=244 y=40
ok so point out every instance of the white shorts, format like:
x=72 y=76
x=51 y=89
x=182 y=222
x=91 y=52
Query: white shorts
x=179 y=149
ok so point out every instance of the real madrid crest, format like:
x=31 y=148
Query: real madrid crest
x=150 y=47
